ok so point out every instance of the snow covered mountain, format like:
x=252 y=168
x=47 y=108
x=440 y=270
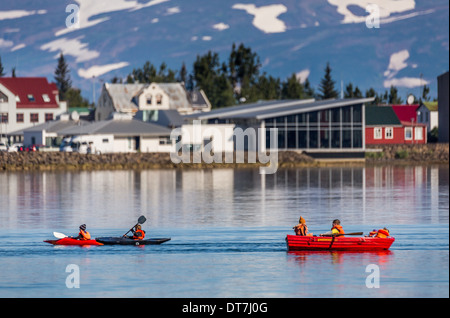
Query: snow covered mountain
x=371 y=43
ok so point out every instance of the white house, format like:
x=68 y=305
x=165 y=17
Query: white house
x=148 y=100
x=26 y=102
x=122 y=133
x=427 y=114
x=47 y=134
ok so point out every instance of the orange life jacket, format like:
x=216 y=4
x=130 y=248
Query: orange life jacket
x=84 y=235
x=339 y=228
x=139 y=235
x=301 y=229
x=382 y=233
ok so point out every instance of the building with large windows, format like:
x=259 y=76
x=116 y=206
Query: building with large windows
x=333 y=128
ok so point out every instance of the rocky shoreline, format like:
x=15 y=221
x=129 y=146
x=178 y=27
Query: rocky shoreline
x=391 y=154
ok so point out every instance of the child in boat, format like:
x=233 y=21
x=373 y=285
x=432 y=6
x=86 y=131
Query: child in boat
x=381 y=233
x=301 y=228
x=336 y=229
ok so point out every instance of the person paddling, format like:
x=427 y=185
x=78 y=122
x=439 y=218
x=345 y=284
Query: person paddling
x=138 y=233
x=301 y=228
x=83 y=235
x=336 y=229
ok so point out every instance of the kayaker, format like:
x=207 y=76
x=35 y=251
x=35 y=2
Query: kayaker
x=138 y=233
x=336 y=229
x=381 y=233
x=301 y=228
x=83 y=235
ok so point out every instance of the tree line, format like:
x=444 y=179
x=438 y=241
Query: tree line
x=236 y=80
x=239 y=79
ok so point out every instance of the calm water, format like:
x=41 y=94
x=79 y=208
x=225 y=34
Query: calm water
x=227 y=228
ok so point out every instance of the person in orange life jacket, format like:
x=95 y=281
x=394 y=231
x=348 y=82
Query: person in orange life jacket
x=336 y=229
x=381 y=233
x=83 y=235
x=138 y=233
x=301 y=228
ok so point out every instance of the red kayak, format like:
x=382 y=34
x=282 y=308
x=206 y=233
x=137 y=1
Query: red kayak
x=337 y=243
x=71 y=241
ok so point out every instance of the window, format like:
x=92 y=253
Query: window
x=168 y=141
x=34 y=118
x=158 y=99
x=48 y=117
x=105 y=140
x=148 y=99
x=408 y=133
x=3 y=118
x=46 y=98
x=19 y=117
x=3 y=98
x=377 y=133
x=30 y=98
x=418 y=133
x=389 y=133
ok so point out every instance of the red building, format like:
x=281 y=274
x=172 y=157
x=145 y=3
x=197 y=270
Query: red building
x=393 y=125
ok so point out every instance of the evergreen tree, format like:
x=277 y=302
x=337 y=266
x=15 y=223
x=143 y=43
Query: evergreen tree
x=74 y=98
x=13 y=72
x=244 y=65
x=62 y=77
x=269 y=88
x=2 y=73
x=394 y=99
x=351 y=92
x=292 y=88
x=309 y=91
x=425 y=92
x=212 y=77
x=183 y=76
x=326 y=88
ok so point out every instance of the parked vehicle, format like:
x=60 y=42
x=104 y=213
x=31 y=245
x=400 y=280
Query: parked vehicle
x=65 y=145
x=3 y=146
x=34 y=148
x=89 y=144
x=15 y=147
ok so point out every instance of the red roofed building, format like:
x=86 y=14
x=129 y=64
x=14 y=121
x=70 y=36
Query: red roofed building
x=25 y=102
x=413 y=132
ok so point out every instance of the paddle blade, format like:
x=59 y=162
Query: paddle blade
x=142 y=219
x=59 y=235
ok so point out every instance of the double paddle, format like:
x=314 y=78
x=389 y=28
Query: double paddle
x=141 y=220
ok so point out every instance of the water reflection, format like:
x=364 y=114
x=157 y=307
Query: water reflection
x=225 y=197
x=303 y=258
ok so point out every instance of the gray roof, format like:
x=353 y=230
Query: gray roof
x=170 y=118
x=270 y=109
x=122 y=127
x=55 y=126
x=124 y=95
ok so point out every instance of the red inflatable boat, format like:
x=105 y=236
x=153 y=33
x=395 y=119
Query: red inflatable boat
x=337 y=243
x=71 y=241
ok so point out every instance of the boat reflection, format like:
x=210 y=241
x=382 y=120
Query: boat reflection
x=338 y=257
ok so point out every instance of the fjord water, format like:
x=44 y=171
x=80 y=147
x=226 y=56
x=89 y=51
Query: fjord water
x=228 y=228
